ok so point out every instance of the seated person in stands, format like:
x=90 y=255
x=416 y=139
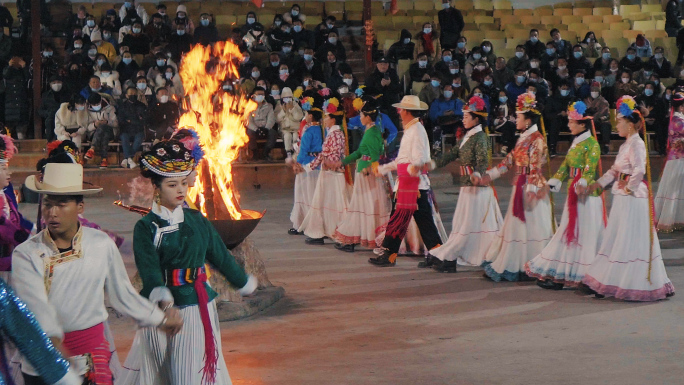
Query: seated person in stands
x=661 y=65
x=502 y=120
x=580 y=88
x=251 y=23
x=285 y=78
x=95 y=86
x=323 y=29
x=642 y=47
x=261 y=124
x=420 y=70
x=163 y=117
x=71 y=120
x=311 y=65
x=578 y=61
x=442 y=67
x=333 y=44
x=446 y=113
x=402 y=49
x=103 y=127
x=206 y=33
x=534 y=47
x=630 y=61
x=303 y=38
x=432 y=90
x=520 y=61
x=518 y=86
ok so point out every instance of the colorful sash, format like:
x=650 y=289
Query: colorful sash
x=92 y=342
x=570 y=233
x=406 y=202
x=519 y=198
x=467 y=170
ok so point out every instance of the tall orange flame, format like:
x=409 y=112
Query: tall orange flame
x=219 y=123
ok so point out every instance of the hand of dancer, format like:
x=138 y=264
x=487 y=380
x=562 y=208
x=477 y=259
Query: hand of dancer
x=543 y=191
x=530 y=196
x=581 y=190
x=173 y=322
x=592 y=187
x=475 y=180
x=622 y=184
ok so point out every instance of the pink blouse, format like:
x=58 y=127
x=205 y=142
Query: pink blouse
x=630 y=165
x=333 y=149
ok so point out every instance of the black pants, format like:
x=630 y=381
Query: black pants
x=508 y=138
x=101 y=138
x=270 y=135
x=605 y=129
x=661 y=134
x=425 y=222
x=556 y=125
x=355 y=139
x=32 y=380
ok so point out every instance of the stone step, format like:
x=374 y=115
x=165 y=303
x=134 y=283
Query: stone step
x=30 y=145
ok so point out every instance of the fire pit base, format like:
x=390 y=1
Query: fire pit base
x=249 y=306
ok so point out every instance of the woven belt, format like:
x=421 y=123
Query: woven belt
x=574 y=171
x=522 y=170
x=623 y=177
x=365 y=157
x=467 y=170
x=180 y=277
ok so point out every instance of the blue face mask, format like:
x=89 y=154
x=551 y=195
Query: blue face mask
x=447 y=59
x=577 y=55
x=579 y=81
x=606 y=56
x=550 y=51
x=565 y=92
x=461 y=45
x=503 y=99
x=456 y=85
x=488 y=83
x=204 y=22
x=275 y=63
x=435 y=83
x=448 y=94
x=287 y=49
x=161 y=63
x=127 y=60
x=648 y=92
x=599 y=79
x=297 y=28
x=520 y=79
x=631 y=57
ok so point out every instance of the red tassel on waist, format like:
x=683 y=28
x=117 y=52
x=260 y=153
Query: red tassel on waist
x=571 y=231
x=406 y=202
x=92 y=341
x=210 y=352
x=518 y=199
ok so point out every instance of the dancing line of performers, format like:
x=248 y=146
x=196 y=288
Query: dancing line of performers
x=614 y=254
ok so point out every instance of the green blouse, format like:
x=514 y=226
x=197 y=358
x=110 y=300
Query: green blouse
x=372 y=146
x=584 y=155
x=474 y=153
x=190 y=244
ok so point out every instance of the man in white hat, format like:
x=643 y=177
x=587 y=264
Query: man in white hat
x=411 y=190
x=64 y=271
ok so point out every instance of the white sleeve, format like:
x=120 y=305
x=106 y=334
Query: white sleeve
x=71 y=378
x=554 y=184
x=28 y=281
x=123 y=296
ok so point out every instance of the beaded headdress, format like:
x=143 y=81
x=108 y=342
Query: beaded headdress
x=476 y=105
x=167 y=158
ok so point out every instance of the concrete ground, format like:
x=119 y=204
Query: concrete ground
x=343 y=321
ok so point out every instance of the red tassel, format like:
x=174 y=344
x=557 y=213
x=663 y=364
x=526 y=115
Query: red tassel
x=210 y=352
x=571 y=231
x=518 y=199
x=399 y=223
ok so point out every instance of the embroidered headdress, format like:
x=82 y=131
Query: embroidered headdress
x=527 y=102
x=190 y=140
x=476 y=105
x=7 y=149
x=167 y=158
x=577 y=111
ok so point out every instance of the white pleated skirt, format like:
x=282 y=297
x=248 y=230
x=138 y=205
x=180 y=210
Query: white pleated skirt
x=304 y=188
x=327 y=206
x=621 y=266
x=669 y=200
x=567 y=264
x=518 y=242
x=369 y=209
x=477 y=220
x=155 y=359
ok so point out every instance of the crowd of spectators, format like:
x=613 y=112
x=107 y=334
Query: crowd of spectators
x=118 y=78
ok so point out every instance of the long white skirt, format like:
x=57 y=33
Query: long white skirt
x=669 y=200
x=368 y=210
x=567 y=264
x=305 y=185
x=327 y=206
x=477 y=219
x=155 y=359
x=620 y=269
x=518 y=242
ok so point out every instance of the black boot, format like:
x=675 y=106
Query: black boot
x=429 y=261
x=348 y=248
x=446 y=267
x=314 y=241
x=549 y=285
x=293 y=231
x=384 y=260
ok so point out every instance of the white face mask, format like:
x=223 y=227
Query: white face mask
x=562 y=68
x=56 y=87
x=287 y=100
x=80 y=108
x=259 y=98
x=594 y=94
x=534 y=64
x=163 y=99
x=348 y=81
x=625 y=80
x=343 y=90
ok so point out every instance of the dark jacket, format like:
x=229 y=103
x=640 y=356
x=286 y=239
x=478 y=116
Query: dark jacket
x=338 y=49
x=664 y=71
x=49 y=104
x=16 y=94
x=206 y=35
x=163 y=115
x=138 y=45
x=633 y=66
x=672 y=17
x=390 y=93
x=127 y=71
x=451 y=24
x=535 y=50
x=303 y=39
x=178 y=45
x=399 y=50
x=159 y=32
x=131 y=116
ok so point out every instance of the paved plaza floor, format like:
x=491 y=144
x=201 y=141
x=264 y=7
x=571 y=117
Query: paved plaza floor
x=343 y=321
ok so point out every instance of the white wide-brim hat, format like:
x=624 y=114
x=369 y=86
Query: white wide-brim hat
x=61 y=179
x=411 y=102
